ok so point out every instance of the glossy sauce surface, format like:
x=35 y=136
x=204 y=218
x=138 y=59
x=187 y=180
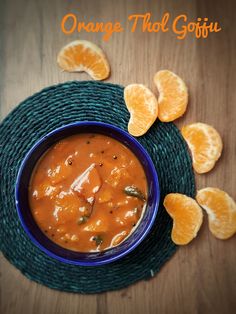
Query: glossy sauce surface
x=88 y=192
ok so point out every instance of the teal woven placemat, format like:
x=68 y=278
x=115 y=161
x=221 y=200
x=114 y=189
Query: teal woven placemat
x=78 y=101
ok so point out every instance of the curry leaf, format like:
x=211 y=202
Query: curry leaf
x=132 y=190
x=98 y=239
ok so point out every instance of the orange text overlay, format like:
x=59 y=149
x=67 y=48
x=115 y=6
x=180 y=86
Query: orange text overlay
x=181 y=26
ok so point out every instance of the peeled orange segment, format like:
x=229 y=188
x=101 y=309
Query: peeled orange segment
x=70 y=207
x=173 y=95
x=142 y=106
x=205 y=145
x=187 y=217
x=221 y=210
x=84 y=56
x=88 y=183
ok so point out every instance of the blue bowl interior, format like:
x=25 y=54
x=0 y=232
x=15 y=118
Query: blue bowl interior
x=32 y=229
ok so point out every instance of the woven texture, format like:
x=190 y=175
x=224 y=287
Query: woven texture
x=78 y=101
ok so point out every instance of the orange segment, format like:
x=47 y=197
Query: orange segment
x=173 y=95
x=205 y=145
x=119 y=237
x=70 y=207
x=99 y=224
x=45 y=189
x=221 y=210
x=59 y=172
x=142 y=106
x=88 y=183
x=84 y=56
x=187 y=217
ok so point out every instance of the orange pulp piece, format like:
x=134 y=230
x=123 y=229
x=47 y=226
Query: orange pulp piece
x=142 y=106
x=84 y=56
x=88 y=183
x=187 y=217
x=205 y=145
x=221 y=210
x=173 y=95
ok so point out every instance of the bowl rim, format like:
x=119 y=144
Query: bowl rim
x=156 y=188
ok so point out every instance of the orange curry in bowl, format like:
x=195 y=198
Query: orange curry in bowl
x=88 y=192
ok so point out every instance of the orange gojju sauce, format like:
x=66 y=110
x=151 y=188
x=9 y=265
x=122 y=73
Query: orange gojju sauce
x=88 y=192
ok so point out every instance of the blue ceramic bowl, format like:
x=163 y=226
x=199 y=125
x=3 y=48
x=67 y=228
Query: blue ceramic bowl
x=43 y=242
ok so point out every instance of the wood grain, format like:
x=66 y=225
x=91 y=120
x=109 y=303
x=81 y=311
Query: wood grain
x=201 y=277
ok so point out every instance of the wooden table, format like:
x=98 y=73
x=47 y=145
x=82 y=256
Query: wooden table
x=201 y=277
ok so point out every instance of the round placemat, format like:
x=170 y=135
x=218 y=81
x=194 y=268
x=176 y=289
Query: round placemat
x=78 y=101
